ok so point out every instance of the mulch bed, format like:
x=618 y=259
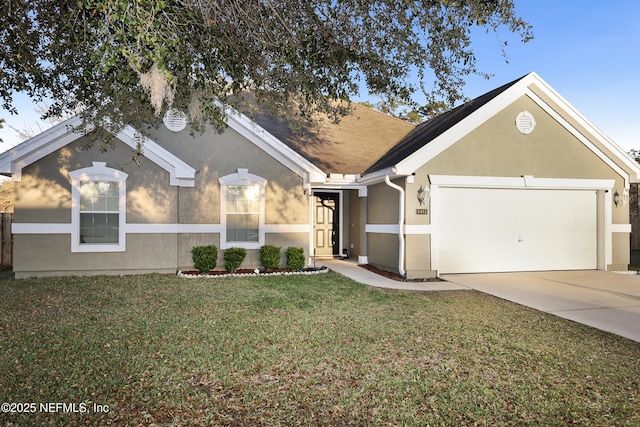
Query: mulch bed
x=396 y=276
x=252 y=272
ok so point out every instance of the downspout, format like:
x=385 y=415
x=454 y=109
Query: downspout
x=400 y=225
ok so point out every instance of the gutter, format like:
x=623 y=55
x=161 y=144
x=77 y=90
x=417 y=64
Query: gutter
x=401 y=269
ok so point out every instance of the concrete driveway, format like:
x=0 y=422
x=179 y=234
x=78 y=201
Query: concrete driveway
x=607 y=301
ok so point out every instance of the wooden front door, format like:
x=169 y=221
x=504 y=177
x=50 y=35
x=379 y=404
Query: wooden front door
x=326 y=224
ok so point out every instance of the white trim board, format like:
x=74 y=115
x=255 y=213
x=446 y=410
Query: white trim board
x=133 y=228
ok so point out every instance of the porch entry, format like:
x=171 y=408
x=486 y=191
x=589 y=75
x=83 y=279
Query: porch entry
x=326 y=224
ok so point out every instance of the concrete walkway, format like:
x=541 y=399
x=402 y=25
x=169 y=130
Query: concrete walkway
x=603 y=300
x=353 y=271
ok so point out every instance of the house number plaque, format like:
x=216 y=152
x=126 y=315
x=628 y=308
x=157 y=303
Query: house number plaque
x=422 y=211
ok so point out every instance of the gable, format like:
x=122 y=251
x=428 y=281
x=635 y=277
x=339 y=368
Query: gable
x=15 y=159
x=431 y=138
x=497 y=148
x=181 y=174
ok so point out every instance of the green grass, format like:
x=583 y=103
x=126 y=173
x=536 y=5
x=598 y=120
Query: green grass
x=302 y=350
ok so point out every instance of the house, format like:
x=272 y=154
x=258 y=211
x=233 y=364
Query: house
x=514 y=180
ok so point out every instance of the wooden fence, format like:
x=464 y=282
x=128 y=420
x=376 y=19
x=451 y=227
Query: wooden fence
x=6 y=249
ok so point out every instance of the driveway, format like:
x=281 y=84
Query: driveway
x=607 y=301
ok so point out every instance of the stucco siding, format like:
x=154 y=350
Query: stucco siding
x=383 y=203
x=621 y=252
x=497 y=148
x=418 y=256
x=383 y=251
x=44 y=193
x=49 y=255
x=215 y=155
x=43 y=196
x=356 y=223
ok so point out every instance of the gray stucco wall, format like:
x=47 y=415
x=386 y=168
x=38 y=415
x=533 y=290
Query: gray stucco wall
x=44 y=196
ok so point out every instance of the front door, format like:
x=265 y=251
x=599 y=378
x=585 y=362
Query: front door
x=327 y=224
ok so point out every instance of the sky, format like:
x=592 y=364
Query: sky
x=587 y=50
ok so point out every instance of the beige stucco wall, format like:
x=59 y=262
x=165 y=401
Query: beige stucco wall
x=383 y=251
x=215 y=155
x=356 y=221
x=44 y=196
x=44 y=193
x=50 y=255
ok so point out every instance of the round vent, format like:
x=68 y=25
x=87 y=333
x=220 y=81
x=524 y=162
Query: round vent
x=175 y=120
x=525 y=122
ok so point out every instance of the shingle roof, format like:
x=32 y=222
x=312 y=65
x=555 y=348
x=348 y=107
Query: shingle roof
x=431 y=129
x=349 y=147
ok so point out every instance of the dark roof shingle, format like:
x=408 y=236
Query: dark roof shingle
x=426 y=132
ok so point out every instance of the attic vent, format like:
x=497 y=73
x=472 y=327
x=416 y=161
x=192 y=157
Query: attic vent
x=175 y=120
x=525 y=122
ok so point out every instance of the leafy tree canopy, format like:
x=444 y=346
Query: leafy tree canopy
x=128 y=61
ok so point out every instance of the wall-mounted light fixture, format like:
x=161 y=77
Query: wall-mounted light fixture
x=423 y=195
x=616 y=198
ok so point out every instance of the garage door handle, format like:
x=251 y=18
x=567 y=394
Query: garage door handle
x=520 y=239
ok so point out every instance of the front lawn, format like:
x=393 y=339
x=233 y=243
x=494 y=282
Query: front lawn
x=299 y=350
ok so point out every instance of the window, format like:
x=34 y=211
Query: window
x=242 y=210
x=243 y=213
x=98 y=209
x=99 y=212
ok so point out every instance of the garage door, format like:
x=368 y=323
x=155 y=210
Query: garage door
x=492 y=230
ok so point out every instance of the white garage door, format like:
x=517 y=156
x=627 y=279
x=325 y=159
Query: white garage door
x=492 y=230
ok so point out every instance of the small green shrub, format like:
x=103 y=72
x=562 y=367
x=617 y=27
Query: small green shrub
x=204 y=257
x=233 y=258
x=270 y=257
x=295 y=258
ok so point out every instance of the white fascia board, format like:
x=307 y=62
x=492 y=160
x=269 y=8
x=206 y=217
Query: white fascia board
x=274 y=147
x=180 y=173
x=624 y=166
x=15 y=159
x=604 y=139
x=579 y=136
x=341 y=182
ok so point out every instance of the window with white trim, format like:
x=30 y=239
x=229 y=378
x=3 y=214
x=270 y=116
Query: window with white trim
x=242 y=203
x=243 y=213
x=99 y=212
x=98 y=209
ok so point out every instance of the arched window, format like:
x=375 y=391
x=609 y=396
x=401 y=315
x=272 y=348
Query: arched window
x=242 y=210
x=98 y=209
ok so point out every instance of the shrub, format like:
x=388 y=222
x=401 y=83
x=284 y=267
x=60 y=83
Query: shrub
x=270 y=257
x=233 y=258
x=204 y=257
x=295 y=258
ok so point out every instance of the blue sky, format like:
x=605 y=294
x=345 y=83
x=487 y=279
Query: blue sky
x=587 y=50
